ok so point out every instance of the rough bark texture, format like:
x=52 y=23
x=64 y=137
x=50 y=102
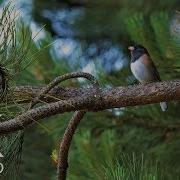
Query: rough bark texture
x=24 y=94
x=72 y=126
x=60 y=79
x=96 y=99
x=65 y=144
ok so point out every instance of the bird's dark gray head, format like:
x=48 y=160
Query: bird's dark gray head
x=137 y=51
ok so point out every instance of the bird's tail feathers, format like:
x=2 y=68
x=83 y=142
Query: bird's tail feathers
x=164 y=106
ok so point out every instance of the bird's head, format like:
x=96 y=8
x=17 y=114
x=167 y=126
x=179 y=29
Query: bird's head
x=137 y=48
x=137 y=51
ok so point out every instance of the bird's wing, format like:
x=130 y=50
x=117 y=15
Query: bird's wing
x=150 y=64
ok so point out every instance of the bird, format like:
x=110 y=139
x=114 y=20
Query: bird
x=143 y=68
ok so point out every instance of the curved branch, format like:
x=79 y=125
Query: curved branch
x=96 y=99
x=75 y=120
x=65 y=144
x=60 y=79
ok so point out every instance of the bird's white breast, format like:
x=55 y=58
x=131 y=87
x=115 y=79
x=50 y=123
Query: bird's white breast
x=140 y=71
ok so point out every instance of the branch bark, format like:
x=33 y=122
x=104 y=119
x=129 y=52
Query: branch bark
x=60 y=79
x=72 y=126
x=25 y=94
x=65 y=144
x=96 y=99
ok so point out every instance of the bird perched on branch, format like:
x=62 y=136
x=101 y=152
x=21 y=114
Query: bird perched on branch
x=143 y=67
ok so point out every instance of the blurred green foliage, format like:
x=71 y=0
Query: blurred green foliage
x=109 y=144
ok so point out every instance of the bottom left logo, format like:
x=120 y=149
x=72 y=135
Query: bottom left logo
x=1 y=165
x=1 y=168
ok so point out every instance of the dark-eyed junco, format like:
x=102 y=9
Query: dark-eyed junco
x=143 y=67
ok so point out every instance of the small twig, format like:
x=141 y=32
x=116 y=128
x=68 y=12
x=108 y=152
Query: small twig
x=60 y=79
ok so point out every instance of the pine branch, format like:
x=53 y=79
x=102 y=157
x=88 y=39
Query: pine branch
x=60 y=79
x=75 y=120
x=65 y=144
x=93 y=99
x=72 y=126
x=97 y=99
x=25 y=94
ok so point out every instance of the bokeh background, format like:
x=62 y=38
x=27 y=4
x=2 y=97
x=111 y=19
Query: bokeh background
x=93 y=36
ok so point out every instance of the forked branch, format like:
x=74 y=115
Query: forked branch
x=72 y=126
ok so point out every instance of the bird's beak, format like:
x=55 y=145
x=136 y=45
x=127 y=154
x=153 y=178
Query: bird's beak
x=131 y=48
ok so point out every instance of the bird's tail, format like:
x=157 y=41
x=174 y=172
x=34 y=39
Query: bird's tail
x=164 y=106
